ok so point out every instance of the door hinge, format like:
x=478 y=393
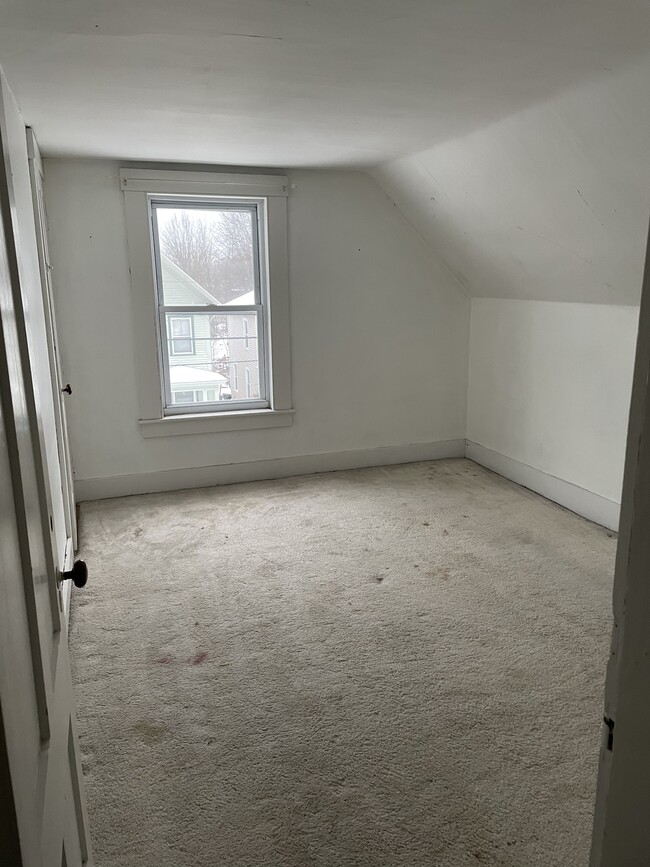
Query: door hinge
x=610 y=732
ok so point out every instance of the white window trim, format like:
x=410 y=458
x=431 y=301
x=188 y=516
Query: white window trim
x=139 y=186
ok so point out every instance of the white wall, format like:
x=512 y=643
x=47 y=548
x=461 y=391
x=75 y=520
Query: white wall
x=380 y=336
x=32 y=298
x=549 y=386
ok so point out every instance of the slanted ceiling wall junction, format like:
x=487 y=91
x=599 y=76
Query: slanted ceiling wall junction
x=542 y=218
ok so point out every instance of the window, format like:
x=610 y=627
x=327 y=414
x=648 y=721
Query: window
x=181 y=342
x=208 y=262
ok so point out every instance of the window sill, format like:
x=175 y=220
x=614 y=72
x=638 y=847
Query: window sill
x=215 y=422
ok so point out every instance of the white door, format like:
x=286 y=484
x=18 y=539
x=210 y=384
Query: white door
x=43 y=819
x=621 y=836
x=59 y=388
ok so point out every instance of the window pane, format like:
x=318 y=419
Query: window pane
x=181 y=331
x=182 y=327
x=181 y=347
x=206 y=255
x=225 y=360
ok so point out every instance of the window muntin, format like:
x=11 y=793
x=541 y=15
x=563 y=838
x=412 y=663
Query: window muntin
x=210 y=266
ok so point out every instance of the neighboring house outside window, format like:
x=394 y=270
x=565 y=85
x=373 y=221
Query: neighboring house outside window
x=194 y=352
x=243 y=342
x=191 y=373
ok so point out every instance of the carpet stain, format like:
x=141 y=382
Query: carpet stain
x=148 y=732
x=440 y=574
x=198 y=658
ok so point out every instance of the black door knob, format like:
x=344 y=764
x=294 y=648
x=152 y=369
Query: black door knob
x=78 y=574
x=67 y=389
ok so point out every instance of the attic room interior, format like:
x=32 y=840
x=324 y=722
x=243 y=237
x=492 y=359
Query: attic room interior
x=325 y=466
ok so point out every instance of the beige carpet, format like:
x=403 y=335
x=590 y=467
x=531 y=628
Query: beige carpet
x=393 y=666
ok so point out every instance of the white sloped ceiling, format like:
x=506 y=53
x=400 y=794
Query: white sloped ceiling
x=550 y=203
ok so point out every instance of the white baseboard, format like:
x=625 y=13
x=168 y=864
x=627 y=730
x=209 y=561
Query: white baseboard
x=586 y=503
x=253 y=471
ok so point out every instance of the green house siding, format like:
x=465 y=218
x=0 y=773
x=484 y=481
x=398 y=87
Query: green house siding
x=180 y=289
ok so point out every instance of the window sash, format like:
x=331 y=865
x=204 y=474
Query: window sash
x=171 y=408
x=256 y=207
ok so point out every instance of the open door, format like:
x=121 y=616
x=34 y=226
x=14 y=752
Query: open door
x=43 y=818
x=621 y=836
x=59 y=389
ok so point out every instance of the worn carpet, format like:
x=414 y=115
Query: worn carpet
x=380 y=667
